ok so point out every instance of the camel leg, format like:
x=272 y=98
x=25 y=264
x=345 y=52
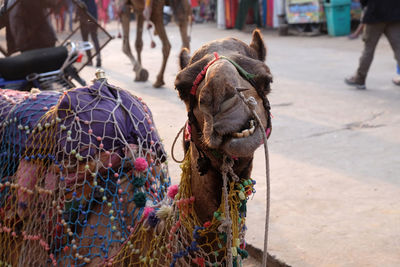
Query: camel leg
x=183 y=23
x=183 y=26
x=139 y=34
x=182 y=14
x=156 y=18
x=141 y=73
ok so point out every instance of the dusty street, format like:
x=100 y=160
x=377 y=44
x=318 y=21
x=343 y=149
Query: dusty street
x=334 y=150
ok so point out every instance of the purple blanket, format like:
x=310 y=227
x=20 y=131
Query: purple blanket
x=88 y=118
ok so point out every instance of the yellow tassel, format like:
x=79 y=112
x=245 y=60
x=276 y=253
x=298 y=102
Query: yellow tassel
x=164 y=212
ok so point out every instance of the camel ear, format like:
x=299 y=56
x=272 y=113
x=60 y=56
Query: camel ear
x=184 y=58
x=257 y=43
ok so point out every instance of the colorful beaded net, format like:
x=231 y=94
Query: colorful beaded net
x=77 y=170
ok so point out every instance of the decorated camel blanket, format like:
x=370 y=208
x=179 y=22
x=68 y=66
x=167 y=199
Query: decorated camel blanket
x=77 y=170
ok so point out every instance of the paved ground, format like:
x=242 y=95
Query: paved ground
x=334 y=151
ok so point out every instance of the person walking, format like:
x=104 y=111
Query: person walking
x=59 y=15
x=380 y=17
x=102 y=11
x=70 y=13
x=87 y=27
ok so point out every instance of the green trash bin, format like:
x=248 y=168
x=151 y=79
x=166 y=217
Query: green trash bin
x=338 y=17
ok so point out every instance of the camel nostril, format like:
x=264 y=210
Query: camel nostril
x=240 y=89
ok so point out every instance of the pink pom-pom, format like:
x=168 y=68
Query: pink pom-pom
x=147 y=211
x=140 y=164
x=172 y=191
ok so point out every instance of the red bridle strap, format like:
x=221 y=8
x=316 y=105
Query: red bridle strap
x=201 y=75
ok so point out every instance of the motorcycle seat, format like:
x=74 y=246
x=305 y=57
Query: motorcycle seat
x=33 y=61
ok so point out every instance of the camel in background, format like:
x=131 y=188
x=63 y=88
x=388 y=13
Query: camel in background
x=154 y=12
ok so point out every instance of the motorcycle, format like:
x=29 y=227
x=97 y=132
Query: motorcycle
x=46 y=69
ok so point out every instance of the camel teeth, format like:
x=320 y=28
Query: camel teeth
x=252 y=129
x=238 y=135
x=246 y=133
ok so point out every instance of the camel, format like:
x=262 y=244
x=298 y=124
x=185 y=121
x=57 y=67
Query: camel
x=154 y=10
x=102 y=195
x=205 y=224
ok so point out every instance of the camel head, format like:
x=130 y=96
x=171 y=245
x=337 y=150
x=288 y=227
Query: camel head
x=210 y=84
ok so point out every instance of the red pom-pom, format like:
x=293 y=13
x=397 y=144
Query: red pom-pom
x=207 y=224
x=140 y=164
x=172 y=191
x=199 y=261
x=147 y=211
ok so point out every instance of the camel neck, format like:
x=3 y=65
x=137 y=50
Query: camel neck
x=207 y=188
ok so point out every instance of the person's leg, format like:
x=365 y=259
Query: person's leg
x=392 y=32
x=57 y=17
x=93 y=35
x=371 y=36
x=71 y=16
x=243 y=11
x=85 y=38
x=62 y=18
x=256 y=10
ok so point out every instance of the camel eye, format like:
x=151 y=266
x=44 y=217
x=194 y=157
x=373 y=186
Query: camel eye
x=202 y=102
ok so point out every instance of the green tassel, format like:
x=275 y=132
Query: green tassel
x=139 y=199
x=243 y=253
x=243 y=207
x=235 y=262
x=138 y=182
